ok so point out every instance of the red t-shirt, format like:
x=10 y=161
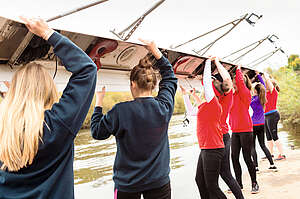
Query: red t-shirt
x=209 y=131
x=239 y=117
x=271 y=100
x=226 y=101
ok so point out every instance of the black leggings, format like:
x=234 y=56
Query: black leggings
x=242 y=140
x=225 y=172
x=271 y=122
x=207 y=176
x=259 y=131
x=163 y=192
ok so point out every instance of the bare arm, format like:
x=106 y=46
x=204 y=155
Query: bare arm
x=196 y=97
x=151 y=46
x=7 y=84
x=269 y=83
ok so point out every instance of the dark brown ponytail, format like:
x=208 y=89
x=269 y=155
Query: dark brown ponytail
x=247 y=82
x=261 y=92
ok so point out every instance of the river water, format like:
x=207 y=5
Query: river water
x=94 y=160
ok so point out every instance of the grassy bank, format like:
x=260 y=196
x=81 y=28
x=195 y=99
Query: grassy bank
x=289 y=98
x=112 y=98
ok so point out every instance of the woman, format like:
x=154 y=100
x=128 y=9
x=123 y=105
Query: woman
x=224 y=93
x=241 y=126
x=140 y=127
x=258 y=102
x=225 y=96
x=272 y=118
x=36 y=133
x=210 y=139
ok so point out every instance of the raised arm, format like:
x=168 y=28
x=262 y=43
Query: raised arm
x=207 y=82
x=168 y=82
x=224 y=73
x=187 y=103
x=78 y=94
x=269 y=84
x=243 y=91
x=261 y=79
x=103 y=126
x=196 y=97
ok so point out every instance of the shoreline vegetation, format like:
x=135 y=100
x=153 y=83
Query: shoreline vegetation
x=112 y=98
x=287 y=77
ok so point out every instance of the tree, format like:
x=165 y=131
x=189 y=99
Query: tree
x=294 y=62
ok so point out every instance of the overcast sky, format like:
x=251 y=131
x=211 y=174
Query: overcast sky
x=176 y=21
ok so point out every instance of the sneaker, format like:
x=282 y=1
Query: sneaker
x=273 y=168
x=281 y=157
x=265 y=158
x=255 y=188
x=241 y=186
x=257 y=170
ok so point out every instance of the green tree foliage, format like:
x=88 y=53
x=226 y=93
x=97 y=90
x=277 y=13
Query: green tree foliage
x=288 y=98
x=294 y=62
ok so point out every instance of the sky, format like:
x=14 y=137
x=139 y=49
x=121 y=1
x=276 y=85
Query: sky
x=177 y=21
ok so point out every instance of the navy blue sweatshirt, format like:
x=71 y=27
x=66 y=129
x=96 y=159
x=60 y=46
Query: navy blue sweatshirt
x=51 y=173
x=141 y=131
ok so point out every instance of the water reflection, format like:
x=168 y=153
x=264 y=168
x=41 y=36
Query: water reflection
x=94 y=159
x=293 y=137
x=176 y=163
x=85 y=175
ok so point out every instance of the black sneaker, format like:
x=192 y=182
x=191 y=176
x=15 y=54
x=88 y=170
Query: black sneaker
x=241 y=186
x=255 y=188
x=257 y=170
x=273 y=168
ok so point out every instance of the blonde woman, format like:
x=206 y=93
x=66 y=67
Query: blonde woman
x=36 y=131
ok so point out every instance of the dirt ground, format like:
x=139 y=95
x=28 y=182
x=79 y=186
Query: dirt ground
x=284 y=184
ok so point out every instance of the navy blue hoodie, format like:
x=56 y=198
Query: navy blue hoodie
x=51 y=173
x=141 y=131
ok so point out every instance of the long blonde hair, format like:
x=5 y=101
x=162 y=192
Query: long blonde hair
x=32 y=91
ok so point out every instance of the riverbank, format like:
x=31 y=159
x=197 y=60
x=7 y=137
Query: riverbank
x=112 y=98
x=276 y=185
x=288 y=98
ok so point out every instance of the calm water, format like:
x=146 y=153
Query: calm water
x=94 y=160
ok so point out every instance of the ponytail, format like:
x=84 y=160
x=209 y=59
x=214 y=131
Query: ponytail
x=261 y=92
x=247 y=82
